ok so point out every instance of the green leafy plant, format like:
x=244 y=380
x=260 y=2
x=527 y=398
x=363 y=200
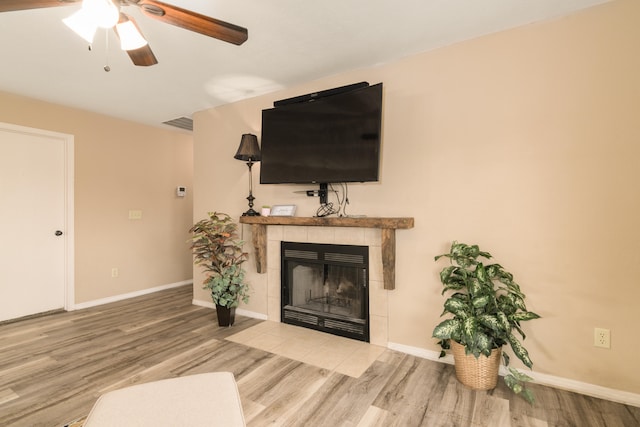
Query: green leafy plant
x=216 y=247
x=516 y=381
x=487 y=307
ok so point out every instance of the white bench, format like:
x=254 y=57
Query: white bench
x=196 y=400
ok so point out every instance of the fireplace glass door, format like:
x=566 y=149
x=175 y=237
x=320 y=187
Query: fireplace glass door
x=325 y=287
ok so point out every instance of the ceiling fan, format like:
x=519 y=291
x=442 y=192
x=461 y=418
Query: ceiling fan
x=108 y=14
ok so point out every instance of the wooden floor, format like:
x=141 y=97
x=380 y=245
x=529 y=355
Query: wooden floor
x=53 y=368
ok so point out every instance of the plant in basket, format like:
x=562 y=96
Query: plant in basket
x=487 y=308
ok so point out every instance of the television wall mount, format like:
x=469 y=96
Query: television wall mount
x=322 y=193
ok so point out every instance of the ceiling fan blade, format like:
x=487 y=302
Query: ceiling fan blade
x=11 y=5
x=142 y=57
x=193 y=21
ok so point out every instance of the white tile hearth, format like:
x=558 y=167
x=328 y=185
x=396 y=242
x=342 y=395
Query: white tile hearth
x=331 y=352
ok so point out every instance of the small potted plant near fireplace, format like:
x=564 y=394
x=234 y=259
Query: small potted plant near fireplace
x=217 y=248
x=487 y=308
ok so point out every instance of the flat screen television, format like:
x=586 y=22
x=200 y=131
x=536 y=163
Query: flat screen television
x=323 y=139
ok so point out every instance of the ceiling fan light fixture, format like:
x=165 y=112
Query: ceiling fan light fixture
x=130 y=36
x=82 y=24
x=103 y=13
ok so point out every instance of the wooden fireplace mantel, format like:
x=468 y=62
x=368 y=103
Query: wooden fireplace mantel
x=388 y=227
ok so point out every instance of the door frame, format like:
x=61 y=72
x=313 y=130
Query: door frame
x=69 y=247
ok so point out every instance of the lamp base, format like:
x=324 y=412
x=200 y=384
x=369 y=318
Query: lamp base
x=251 y=212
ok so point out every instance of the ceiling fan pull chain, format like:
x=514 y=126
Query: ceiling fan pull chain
x=106 y=38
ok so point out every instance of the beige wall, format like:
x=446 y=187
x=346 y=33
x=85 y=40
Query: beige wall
x=120 y=166
x=525 y=142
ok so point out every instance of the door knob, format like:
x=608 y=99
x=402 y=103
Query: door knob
x=58 y=233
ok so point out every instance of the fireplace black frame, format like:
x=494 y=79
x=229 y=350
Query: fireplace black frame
x=326 y=254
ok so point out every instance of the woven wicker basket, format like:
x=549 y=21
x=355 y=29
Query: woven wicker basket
x=480 y=373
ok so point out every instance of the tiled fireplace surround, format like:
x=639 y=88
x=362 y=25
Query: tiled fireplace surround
x=378 y=306
x=376 y=233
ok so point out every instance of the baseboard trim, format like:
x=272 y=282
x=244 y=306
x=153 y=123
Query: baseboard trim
x=121 y=297
x=201 y=303
x=567 y=384
x=592 y=390
x=252 y=314
x=239 y=311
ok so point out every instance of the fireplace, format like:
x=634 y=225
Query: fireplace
x=325 y=287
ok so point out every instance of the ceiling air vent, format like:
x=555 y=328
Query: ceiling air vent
x=181 y=122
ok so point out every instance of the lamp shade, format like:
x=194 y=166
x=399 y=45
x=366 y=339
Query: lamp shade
x=248 y=151
x=130 y=36
x=82 y=24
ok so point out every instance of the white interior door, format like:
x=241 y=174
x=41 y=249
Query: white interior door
x=34 y=228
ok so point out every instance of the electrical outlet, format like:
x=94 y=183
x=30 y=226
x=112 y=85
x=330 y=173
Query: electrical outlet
x=114 y=272
x=602 y=338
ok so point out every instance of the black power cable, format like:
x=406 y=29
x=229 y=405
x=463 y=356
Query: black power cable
x=327 y=209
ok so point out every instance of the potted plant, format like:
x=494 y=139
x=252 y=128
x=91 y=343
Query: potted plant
x=487 y=308
x=217 y=248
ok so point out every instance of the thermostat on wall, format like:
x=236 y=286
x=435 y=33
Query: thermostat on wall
x=181 y=191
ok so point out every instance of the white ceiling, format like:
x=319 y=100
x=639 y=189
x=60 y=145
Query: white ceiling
x=290 y=42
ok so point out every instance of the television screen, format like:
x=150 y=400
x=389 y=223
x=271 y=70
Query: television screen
x=328 y=139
